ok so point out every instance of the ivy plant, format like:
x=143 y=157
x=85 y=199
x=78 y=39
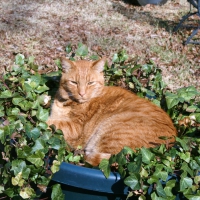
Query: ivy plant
x=31 y=152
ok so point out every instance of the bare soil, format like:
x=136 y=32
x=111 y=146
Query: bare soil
x=43 y=29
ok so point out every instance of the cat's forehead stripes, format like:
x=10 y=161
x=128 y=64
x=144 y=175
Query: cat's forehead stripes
x=83 y=71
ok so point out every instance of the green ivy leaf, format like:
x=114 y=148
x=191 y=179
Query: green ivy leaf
x=25 y=105
x=17 y=100
x=56 y=166
x=193 y=197
x=37 y=158
x=185 y=156
x=18 y=166
x=187 y=169
x=2 y=135
x=27 y=192
x=128 y=151
x=147 y=68
x=105 y=167
x=1 y=189
x=94 y=57
x=24 y=152
x=185 y=182
x=55 y=143
x=142 y=197
x=42 y=114
x=35 y=80
x=27 y=87
x=153 y=179
x=17 y=180
x=172 y=100
x=135 y=166
x=57 y=193
x=133 y=181
x=82 y=50
x=143 y=173
x=115 y=58
x=168 y=188
x=35 y=133
x=159 y=189
x=40 y=89
x=118 y=72
x=155 y=197
x=39 y=145
x=150 y=94
x=194 y=165
x=147 y=156
x=120 y=158
x=15 y=111
x=10 y=192
x=26 y=173
x=161 y=174
x=6 y=94
x=197 y=179
x=196 y=116
x=187 y=93
x=68 y=48
x=76 y=159
x=19 y=59
x=183 y=144
x=43 y=125
x=191 y=108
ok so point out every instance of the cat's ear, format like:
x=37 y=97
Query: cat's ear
x=66 y=64
x=99 y=64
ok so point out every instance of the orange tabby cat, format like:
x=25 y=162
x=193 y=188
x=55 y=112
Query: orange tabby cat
x=104 y=119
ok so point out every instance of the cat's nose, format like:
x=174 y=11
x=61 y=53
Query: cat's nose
x=81 y=93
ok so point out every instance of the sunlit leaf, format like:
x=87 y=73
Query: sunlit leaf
x=17 y=180
x=5 y=94
x=187 y=93
x=56 y=166
x=2 y=135
x=159 y=189
x=147 y=156
x=105 y=167
x=17 y=100
x=57 y=193
x=82 y=50
x=27 y=192
x=19 y=59
x=133 y=181
x=18 y=166
x=169 y=186
x=37 y=159
x=172 y=100
x=185 y=182
x=42 y=114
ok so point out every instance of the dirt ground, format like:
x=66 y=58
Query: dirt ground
x=43 y=29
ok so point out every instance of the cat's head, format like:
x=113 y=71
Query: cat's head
x=82 y=80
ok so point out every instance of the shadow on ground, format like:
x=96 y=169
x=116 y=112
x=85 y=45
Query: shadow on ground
x=168 y=25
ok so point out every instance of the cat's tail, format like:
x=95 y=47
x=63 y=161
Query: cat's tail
x=95 y=158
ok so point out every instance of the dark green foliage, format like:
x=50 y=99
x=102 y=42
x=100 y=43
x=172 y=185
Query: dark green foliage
x=160 y=173
x=30 y=153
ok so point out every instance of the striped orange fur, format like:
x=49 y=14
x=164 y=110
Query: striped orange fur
x=104 y=119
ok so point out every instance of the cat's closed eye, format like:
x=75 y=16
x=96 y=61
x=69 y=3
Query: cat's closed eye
x=91 y=83
x=73 y=82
